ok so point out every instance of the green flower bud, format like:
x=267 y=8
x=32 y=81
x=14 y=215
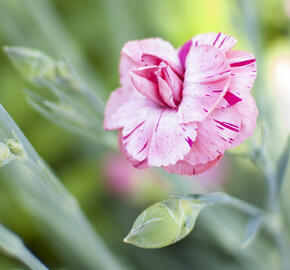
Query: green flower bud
x=5 y=154
x=15 y=147
x=32 y=64
x=35 y=66
x=164 y=223
x=66 y=78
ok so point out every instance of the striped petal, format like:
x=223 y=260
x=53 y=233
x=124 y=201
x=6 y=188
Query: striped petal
x=243 y=74
x=222 y=130
x=146 y=87
x=143 y=164
x=116 y=100
x=207 y=78
x=138 y=119
x=153 y=134
x=184 y=168
x=220 y=41
x=171 y=141
x=144 y=52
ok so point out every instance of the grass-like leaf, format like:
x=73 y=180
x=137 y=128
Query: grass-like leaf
x=283 y=164
x=58 y=92
x=253 y=227
x=13 y=246
x=42 y=195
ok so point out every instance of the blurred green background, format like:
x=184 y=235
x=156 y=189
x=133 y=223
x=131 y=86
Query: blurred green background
x=91 y=34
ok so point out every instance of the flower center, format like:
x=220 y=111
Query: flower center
x=156 y=80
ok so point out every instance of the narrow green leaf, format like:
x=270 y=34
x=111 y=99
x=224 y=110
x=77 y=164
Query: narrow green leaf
x=40 y=193
x=59 y=94
x=164 y=223
x=253 y=227
x=35 y=66
x=283 y=164
x=31 y=64
x=222 y=198
x=256 y=219
x=13 y=246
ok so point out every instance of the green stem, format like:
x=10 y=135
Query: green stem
x=222 y=198
x=263 y=162
x=32 y=262
x=277 y=228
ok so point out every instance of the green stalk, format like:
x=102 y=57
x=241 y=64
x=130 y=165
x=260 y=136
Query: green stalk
x=263 y=161
x=41 y=194
x=13 y=246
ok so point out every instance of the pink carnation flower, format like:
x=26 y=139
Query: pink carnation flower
x=182 y=109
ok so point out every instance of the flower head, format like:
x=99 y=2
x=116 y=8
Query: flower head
x=182 y=109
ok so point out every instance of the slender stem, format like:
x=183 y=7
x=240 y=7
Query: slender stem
x=222 y=198
x=283 y=250
x=280 y=238
x=263 y=162
x=32 y=262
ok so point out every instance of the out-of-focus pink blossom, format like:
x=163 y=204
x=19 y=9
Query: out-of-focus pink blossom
x=122 y=179
x=211 y=180
x=287 y=7
x=119 y=175
x=182 y=109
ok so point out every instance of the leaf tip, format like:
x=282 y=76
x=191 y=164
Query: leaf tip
x=127 y=239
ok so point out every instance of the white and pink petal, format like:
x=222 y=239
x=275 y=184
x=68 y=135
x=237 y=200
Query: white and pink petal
x=155 y=134
x=243 y=72
x=215 y=135
x=166 y=93
x=171 y=141
x=248 y=112
x=220 y=41
x=146 y=87
x=116 y=100
x=174 y=82
x=147 y=52
x=143 y=164
x=183 y=167
x=124 y=114
x=224 y=129
x=207 y=78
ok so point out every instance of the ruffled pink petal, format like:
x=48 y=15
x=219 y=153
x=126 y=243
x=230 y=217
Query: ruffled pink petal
x=207 y=78
x=137 y=118
x=231 y=99
x=183 y=52
x=143 y=164
x=137 y=134
x=170 y=85
x=184 y=168
x=147 y=72
x=220 y=41
x=174 y=83
x=215 y=135
x=152 y=133
x=124 y=113
x=134 y=53
x=222 y=130
x=166 y=93
x=116 y=100
x=146 y=87
x=243 y=72
x=171 y=141
x=248 y=113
